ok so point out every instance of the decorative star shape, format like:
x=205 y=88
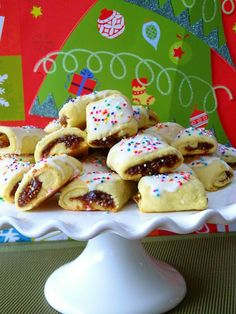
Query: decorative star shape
x=178 y=52
x=234 y=27
x=36 y=12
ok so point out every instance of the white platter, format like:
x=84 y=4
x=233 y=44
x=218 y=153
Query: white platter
x=128 y=223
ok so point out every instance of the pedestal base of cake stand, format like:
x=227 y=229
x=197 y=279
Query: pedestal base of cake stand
x=114 y=275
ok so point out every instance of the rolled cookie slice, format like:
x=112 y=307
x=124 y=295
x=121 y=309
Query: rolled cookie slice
x=142 y=155
x=170 y=192
x=19 y=140
x=213 y=172
x=97 y=191
x=141 y=116
x=228 y=154
x=193 y=141
x=73 y=113
x=153 y=117
x=45 y=179
x=109 y=120
x=70 y=141
x=11 y=173
x=167 y=130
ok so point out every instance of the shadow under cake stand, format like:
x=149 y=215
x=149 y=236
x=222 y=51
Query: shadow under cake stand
x=114 y=274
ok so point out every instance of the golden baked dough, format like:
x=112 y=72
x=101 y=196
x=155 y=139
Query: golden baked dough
x=70 y=141
x=97 y=191
x=53 y=126
x=45 y=179
x=11 y=173
x=24 y=158
x=73 y=113
x=193 y=141
x=19 y=140
x=108 y=120
x=213 y=172
x=142 y=155
x=170 y=192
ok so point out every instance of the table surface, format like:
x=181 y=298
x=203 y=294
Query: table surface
x=207 y=263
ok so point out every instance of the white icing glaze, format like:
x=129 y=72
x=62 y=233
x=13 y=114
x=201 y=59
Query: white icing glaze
x=206 y=161
x=225 y=151
x=139 y=145
x=95 y=163
x=93 y=179
x=166 y=182
x=194 y=132
x=107 y=113
x=11 y=167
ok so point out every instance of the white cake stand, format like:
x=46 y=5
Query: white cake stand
x=114 y=274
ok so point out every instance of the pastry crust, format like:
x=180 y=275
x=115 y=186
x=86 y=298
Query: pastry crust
x=24 y=158
x=228 y=154
x=213 y=172
x=11 y=173
x=96 y=191
x=167 y=130
x=73 y=113
x=193 y=141
x=141 y=116
x=109 y=120
x=45 y=179
x=70 y=141
x=53 y=126
x=19 y=140
x=153 y=117
x=170 y=192
x=142 y=155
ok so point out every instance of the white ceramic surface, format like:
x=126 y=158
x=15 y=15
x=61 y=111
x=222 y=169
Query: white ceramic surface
x=114 y=275
x=128 y=223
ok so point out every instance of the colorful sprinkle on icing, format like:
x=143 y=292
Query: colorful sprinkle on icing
x=140 y=144
x=204 y=161
x=195 y=131
x=107 y=113
x=166 y=182
x=93 y=179
x=226 y=151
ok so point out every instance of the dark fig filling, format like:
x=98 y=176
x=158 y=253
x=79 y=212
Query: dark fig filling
x=154 y=166
x=70 y=141
x=228 y=175
x=15 y=187
x=4 y=141
x=30 y=192
x=108 y=141
x=63 y=121
x=94 y=198
x=202 y=146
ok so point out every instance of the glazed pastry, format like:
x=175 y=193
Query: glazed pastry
x=142 y=155
x=193 y=141
x=11 y=173
x=109 y=120
x=141 y=116
x=228 y=154
x=19 y=140
x=53 y=126
x=170 y=192
x=70 y=141
x=97 y=191
x=95 y=162
x=73 y=113
x=167 y=130
x=213 y=172
x=45 y=179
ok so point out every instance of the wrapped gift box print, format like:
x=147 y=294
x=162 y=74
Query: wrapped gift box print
x=82 y=84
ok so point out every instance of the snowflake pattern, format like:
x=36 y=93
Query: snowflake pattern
x=3 y=102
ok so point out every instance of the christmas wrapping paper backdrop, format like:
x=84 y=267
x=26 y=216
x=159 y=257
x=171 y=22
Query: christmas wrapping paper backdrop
x=175 y=56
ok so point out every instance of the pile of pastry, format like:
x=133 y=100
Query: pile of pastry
x=102 y=152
